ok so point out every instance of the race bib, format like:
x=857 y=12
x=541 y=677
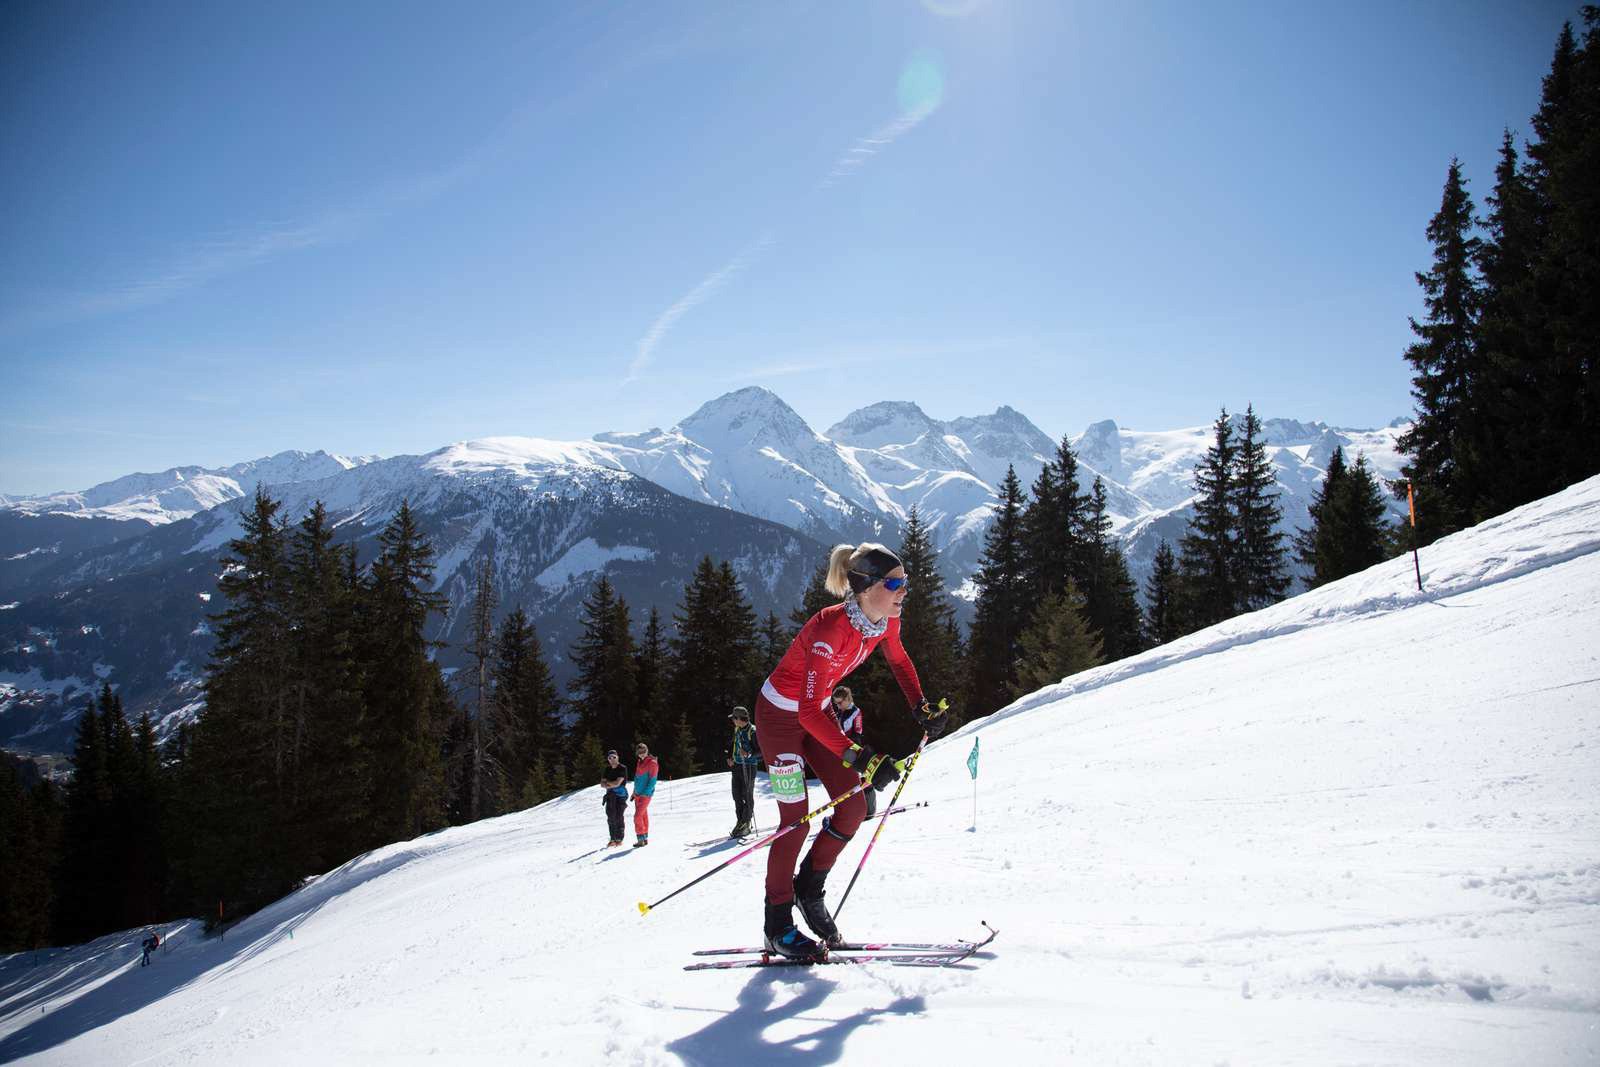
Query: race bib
x=788 y=781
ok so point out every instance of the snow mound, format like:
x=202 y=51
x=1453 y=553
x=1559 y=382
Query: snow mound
x=1359 y=826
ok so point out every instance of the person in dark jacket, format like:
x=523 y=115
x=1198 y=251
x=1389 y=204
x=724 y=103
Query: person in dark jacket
x=615 y=780
x=853 y=722
x=744 y=756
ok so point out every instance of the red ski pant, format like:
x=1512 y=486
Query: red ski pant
x=784 y=743
x=641 y=815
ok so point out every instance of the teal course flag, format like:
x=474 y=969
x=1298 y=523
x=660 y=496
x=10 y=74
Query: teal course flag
x=972 y=759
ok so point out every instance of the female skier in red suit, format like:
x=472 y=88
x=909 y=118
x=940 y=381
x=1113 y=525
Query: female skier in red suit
x=795 y=724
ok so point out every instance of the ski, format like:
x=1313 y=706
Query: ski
x=898 y=960
x=758 y=831
x=925 y=948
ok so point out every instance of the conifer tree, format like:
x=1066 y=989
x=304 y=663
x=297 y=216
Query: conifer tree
x=1110 y=600
x=1566 y=274
x=652 y=673
x=1002 y=609
x=1260 y=569
x=1162 y=594
x=1507 y=420
x=774 y=642
x=1058 y=643
x=1206 y=552
x=604 y=688
x=529 y=707
x=86 y=845
x=814 y=599
x=240 y=754
x=1442 y=359
x=1319 y=546
x=407 y=699
x=716 y=656
x=927 y=617
x=30 y=852
x=483 y=741
x=330 y=782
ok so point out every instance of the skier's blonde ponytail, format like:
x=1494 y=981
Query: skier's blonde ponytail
x=838 y=582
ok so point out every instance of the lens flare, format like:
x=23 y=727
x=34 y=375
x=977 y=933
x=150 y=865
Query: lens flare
x=921 y=85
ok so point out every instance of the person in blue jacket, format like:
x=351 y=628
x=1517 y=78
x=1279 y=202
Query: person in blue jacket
x=645 y=772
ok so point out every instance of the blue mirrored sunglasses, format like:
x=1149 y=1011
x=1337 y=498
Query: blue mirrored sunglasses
x=894 y=585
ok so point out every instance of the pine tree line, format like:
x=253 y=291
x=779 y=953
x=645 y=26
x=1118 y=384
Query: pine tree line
x=1503 y=368
x=1054 y=595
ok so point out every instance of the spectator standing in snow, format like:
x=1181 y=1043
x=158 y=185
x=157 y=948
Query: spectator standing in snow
x=853 y=725
x=615 y=780
x=744 y=756
x=645 y=772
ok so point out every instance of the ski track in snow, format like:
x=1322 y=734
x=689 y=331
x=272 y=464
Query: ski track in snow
x=1361 y=826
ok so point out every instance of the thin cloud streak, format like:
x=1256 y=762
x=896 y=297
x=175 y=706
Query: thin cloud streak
x=644 y=350
x=865 y=148
x=851 y=161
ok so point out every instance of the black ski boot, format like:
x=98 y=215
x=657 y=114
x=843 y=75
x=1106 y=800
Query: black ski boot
x=808 y=894
x=783 y=938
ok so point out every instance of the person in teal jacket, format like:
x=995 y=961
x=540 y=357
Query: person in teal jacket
x=645 y=772
x=744 y=756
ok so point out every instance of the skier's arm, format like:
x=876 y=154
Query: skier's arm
x=900 y=665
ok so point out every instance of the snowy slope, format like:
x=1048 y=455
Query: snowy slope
x=1358 y=827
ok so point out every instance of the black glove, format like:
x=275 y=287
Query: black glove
x=878 y=769
x=932 y=718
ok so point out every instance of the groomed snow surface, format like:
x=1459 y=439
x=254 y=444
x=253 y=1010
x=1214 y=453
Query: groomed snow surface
x=1359 y=827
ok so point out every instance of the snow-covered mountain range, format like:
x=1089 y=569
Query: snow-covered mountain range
x=1355 y=827
x=115 y=582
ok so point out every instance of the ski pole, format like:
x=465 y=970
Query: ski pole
x=911 y=765
x=645 y=909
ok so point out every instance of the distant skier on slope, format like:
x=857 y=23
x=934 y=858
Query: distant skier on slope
x=795 y=724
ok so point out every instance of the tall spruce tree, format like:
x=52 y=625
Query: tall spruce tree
x=1002 y=608
x=1507 y=420
x=1442 y=359
x=1566 y=272
x=1206 y=553
x=529 y=706
x=716 y=654
x=331 y=781
x=1260 y=565
x=1059 y=642
x=1161 y=596
x=926 y=615
x=1110 y=599
x=814 y=599
x=1319 y=547
x=652 y=673
x=604 y=688
x=240 y=753
x=407 y=700
x=484 y=771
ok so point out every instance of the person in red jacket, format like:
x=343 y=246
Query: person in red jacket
x=795 y=724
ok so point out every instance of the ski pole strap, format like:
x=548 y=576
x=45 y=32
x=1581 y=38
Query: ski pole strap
x=645 y=909
x=911 y=765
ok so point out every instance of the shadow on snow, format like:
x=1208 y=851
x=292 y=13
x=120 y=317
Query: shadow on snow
x=737 y=1036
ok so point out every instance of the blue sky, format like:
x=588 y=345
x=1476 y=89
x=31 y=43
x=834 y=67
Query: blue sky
x=380 y=227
